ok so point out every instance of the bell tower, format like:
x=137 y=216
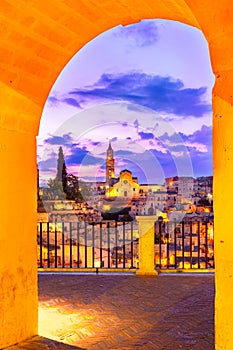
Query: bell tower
x=109 y=163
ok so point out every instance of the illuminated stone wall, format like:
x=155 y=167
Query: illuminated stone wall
x=146 y=246
x=37 y=41
x=126 y=186
x=18 y=270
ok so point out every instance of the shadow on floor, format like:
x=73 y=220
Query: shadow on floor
x=43 y=343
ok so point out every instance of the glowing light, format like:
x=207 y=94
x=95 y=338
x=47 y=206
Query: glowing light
x=52 y=322
x=106 y=207
x=61 y=325
x=164 y=216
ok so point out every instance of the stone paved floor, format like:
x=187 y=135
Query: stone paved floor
x=99 y=312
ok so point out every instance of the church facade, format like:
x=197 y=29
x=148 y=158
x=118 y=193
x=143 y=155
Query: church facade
x=125 y=186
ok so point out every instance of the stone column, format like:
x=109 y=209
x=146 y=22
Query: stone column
x=18 y=254
x=223 y=194
x=18 y=204
x=146 y=245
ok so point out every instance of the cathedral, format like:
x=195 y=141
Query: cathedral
x=125 y=186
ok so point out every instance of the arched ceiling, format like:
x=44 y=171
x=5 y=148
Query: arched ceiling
x=38 y=39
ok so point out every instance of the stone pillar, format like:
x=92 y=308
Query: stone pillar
x=146 y=245
x=18 y=255
x=223 y=194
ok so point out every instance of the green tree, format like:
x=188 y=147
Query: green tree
x=127 y=217
x=84 y=191
x=55 y=189
x=72 y=187
x=61 y=170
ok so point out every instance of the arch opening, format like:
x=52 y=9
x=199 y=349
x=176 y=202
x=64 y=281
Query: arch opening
x=170 y=130
x=26 y=83
x=153 y=92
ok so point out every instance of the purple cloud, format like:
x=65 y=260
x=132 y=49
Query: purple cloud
x=79 y=155
x=97 y=143
x=72 y=102
x=204 y=135
x=201 y=136
x=48 y=165
x=122 y=153
x=65 y=140
x=201 y=162
x=162 y=94
x=146 y=135
x=200 y=156
x=142 y=34
x=53 y=101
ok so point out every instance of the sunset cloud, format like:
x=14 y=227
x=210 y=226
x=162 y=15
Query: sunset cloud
x=147 y=88
x=161 y=94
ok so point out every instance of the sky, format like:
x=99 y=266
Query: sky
x=146 y=88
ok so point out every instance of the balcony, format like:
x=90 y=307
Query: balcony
x=89 y=311
x=116 y=311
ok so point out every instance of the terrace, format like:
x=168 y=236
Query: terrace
x=36 y=43
x=91 y=296
x=124 y=311
x=97 y=302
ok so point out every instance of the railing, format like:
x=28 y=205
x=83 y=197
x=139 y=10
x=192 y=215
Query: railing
x=115 y=245
x=84 y=245
x=184 y=245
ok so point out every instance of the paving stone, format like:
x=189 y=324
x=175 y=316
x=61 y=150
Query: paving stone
x=125 y=312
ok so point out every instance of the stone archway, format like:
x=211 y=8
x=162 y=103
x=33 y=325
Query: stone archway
x=36 y=43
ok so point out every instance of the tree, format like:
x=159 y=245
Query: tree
x=55 y=189
x=72 y=187
x=61 y=170
x=84 y=191
x=127 y=217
